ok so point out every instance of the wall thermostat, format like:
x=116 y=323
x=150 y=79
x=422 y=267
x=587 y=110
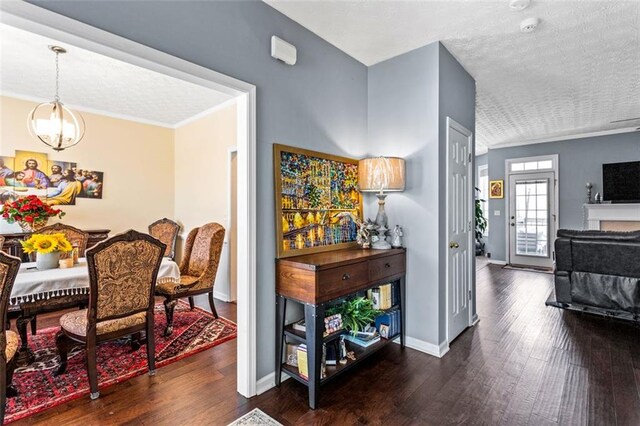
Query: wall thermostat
x=286 y=52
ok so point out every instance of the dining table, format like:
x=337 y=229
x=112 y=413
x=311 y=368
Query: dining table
x=39 y=291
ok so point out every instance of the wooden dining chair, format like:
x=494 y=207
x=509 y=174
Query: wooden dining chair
x=166 y=231
x=198 y=269
x=75 y=236
x=1 y=242
x=122 y=277
x=9 y=341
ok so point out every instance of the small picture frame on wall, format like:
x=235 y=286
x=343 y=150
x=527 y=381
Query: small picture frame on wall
x=496 y=189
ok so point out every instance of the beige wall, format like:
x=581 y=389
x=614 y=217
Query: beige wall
x=201 y=152
x=137 y=161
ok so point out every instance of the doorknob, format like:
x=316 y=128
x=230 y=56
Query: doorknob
x=453 y=245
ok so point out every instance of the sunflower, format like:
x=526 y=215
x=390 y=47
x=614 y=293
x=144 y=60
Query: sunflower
x=64 y=245
x=45 y=244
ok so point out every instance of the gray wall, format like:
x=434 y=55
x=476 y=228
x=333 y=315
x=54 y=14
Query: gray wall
x=403 y=122
x=457 y=99
x=580 y=161
x=320 y=103
x=410 y=97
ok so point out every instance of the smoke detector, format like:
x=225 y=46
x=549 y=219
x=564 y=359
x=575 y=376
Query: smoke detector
x=529 y=25
x=518 y=5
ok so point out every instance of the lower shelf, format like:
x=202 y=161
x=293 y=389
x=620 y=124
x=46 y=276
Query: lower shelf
x=335 y=370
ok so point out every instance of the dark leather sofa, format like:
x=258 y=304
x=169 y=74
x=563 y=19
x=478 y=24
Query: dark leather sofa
x=598 y=271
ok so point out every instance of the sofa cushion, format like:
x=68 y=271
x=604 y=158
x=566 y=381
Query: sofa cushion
x=599 y=235
x=621 y=258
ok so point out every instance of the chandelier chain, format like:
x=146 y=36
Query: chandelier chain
x=57 y=97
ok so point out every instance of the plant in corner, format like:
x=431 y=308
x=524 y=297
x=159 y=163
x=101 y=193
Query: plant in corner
x=481 y=223
x=356 y=313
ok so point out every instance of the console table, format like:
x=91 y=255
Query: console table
x=13 y=247
x=317 y=280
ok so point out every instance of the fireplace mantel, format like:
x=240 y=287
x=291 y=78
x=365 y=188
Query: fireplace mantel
x=598 y=213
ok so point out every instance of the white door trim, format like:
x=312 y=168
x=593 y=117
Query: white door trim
x=230 y=219
x=49 y=24
x=452 y=124
x=507 y=199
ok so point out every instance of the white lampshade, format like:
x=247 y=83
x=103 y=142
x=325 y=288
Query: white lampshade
x=381 y=174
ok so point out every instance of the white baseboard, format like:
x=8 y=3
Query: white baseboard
x=268 y=382
x=474 y=320
x=497 y=262
x=221 y=296
x=428 y=348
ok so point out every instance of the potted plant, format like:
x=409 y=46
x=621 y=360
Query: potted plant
x=47 y=248
x=481 y=223
x=30 y=212
x=356 y=313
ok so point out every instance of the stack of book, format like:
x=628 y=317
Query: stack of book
x=388 y=324
x=303 y=367
x=383 y=297
x=363 y=339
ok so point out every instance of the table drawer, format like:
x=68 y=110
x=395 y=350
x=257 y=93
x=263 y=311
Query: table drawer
x=386 y=267
x=337 y=281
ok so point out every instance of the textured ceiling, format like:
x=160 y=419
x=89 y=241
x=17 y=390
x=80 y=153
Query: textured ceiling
x=96 y=82
x=575 y=74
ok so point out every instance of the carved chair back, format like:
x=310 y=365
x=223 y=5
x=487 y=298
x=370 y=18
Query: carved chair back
x=1 y=242
x=9 y=266
x=202 y=254
x=74 y=235
x=122 y=276
x=166 y=231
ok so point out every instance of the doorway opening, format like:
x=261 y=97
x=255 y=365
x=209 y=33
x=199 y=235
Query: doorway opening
x=532 y=200
x=40 y=21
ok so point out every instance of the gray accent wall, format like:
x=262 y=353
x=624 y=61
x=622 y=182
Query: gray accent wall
x=320 y=103
x=410 y=97
x=580 y=161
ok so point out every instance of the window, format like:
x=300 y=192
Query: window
x=483 y=184
x=532 y=165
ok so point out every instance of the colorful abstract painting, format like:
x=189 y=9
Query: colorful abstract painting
x=317 y=201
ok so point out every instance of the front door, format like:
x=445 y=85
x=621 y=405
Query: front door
x=532 y=219
x=459 y=228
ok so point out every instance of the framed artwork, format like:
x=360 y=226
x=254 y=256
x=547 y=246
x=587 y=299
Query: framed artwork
x=496 y=189
x=317 y=201
x=55 y=182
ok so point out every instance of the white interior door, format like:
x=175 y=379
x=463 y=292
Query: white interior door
x=459 y=228
x=532 y=219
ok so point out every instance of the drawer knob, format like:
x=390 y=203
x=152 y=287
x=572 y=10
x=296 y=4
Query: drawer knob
x=346 y=277
x=387 y=265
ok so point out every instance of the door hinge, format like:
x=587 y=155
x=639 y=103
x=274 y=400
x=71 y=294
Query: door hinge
x=469 y=294
x=469 y=157
x=470 y=229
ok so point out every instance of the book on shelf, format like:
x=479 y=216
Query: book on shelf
x=360 y=342
x=299 y=325
x=303 y=367
x=391 y=321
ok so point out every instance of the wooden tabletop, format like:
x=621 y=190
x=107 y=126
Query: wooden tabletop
x=335 y=258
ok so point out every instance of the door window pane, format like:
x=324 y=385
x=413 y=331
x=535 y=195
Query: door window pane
x=532 y=215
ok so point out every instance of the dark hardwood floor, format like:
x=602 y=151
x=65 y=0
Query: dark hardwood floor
x=523 y=363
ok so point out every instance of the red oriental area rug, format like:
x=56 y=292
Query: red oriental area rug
x=193 y=331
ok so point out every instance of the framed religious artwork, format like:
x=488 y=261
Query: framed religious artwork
x=317 y=201
x=496 y=189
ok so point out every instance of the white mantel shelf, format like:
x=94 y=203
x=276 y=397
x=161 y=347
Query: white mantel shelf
x=597 y=213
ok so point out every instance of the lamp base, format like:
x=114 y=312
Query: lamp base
x=381 y=216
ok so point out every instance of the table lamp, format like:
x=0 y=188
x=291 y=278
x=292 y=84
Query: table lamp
x=381 y=174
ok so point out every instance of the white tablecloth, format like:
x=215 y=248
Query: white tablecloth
x=32 y=285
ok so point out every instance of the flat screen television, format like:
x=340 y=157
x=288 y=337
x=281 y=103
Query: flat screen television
x=621 y=182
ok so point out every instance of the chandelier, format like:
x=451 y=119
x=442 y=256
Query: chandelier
x=54 y=124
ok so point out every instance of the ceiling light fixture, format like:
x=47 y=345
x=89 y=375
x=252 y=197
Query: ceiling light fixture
x=518 y=5
x=54 y=124
x=529 y=25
